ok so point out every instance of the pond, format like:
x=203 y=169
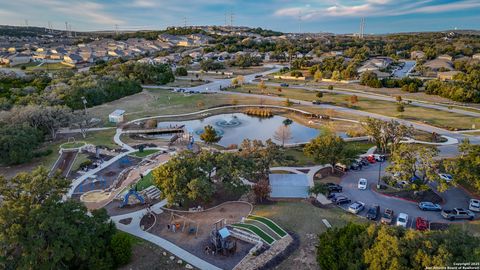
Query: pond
x=236 y=127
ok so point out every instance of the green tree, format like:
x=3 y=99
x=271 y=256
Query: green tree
x=328 y=149
x=319 y=95
x=210 y=135
x=318 y=188
x=336 y=75
x=318 y=76
x=181 y=71
x=121 y=246
x=40 y=231
x=18 y=143
x=466 y=166
x=400 y=107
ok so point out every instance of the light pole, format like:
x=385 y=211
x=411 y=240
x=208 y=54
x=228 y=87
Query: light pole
x=84 y=101
x=379 y=172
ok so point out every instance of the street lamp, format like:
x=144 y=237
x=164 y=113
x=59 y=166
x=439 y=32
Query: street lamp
x=84 y=101
x=379 y=172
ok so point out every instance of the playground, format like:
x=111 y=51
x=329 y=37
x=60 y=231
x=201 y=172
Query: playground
x=192 y=231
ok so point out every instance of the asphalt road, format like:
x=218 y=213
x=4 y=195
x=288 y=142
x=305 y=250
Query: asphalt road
x=453 y=197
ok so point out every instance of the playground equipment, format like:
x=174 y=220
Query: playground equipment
x=191 y=142
x=221 y=239
x=174 y=225
x=131 y=192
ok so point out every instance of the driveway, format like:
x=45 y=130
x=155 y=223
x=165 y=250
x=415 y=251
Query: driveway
x=454 y=197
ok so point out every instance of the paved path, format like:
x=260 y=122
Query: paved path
x=68 y=131
x=134 y=228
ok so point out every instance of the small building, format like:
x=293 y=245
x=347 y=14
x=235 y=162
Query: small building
x=116 y=116
x=447 y=75
x=288 y=186
x=417 y=55
x=476 y=56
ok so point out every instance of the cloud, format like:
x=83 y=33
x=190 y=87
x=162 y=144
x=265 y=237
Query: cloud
x=373 y=8
x=144 y=3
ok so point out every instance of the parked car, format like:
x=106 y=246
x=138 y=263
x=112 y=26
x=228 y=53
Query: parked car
x=371 y=159
x=474 y=205
x=338 y=200
x=356 y=207
x=458 y=213
x=362 y=183
x=387 y=217
x=284 y=84
x=445 y=176
x=429 y=206
x=402 y=220
x=316 y=102
x=378 y=158
x=332 y=187
x=372 y=212
x=341 y=167
x=422 y=224
x=356 y=165
x=364 y=161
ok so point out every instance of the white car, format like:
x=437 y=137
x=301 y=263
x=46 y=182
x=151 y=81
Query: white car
x=356 y=207
x=362 y=183
x=445 y=176
x=474 y=205
x=402 y=220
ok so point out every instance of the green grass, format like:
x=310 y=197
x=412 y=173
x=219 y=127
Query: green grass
x=144 y=153
x=145 y=182
x=270 y=224
x=81 y=157
x=49 y=66
x=72 y=145
x=434 y=117
x=267 y=238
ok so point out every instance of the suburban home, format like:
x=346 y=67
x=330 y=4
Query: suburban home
x=72 y=59
x=15 y=59
x=445 y=57
x=417 y=55
x=439 y=64
x=375 y=64
x=447 y=75
x=476 y=56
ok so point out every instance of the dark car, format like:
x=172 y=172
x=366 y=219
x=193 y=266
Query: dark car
x=364 y=161
x=355 y=166
x=316 y=102
x=341 y=200
x=373 y=212
x=284 y=84
x=334 y=187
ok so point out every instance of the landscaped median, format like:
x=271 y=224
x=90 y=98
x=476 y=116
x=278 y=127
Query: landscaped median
x=256 y=230
x=270 y=224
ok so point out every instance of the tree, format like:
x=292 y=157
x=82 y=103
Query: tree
x=386 y=134
x=330 y=87
x=18 y=143
x=121 y=246
x=353 y=100
x=403 y=161
x=200 y=188
x=283 y=134
x=398 y=99
x=210 y=135
x=181 y=71
x=240 y=79
x=38 y=230
x=287 y=122
x=466 y=166
x=259 y=157
x=319 y=95
x=328 y=149
x=318 y=76
x=287 y=103
x=200 y=104
x=83 y=122
x=400 y=108
x=336 y=75
x=370 y=79
x=262 y=190
x=262 y=86
x=318 y=188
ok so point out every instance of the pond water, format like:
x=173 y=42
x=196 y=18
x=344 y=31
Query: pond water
x=236 y=127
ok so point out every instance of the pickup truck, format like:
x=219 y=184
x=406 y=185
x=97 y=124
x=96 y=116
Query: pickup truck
x=387 y=216
x=458 y=213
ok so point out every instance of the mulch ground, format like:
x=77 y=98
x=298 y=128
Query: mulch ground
x=428 y=195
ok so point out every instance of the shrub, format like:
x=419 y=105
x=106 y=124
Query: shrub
x=181 y=71
x=121 y=246
x=151 y=123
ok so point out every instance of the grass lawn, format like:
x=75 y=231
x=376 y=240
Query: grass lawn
x=48 y=66
x=270 y=224
x=144 y=153
x=145 y=182
x=256 y=230
x=81 y=157
x=419 y=114
x=305 y=220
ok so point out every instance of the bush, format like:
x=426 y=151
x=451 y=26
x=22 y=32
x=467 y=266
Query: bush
x=42 y=153
x=86 y=163
x=151 y=123
x=181 y=71
x=330 y=87
x=121 y=246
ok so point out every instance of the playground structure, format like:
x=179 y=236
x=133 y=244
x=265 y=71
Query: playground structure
x=126 y=199
x=177 y=219
x=221 y=239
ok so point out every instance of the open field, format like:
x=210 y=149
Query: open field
x=305 y=220
x=412 y=113
x=48 y=66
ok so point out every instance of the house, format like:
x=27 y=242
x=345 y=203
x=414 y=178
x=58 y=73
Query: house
x=377 y=63
x=116 y=116
x=445 y=57
x=439 y=65
x=288 y=186
x=447 y=75
x=417 y=55
x=476 y=56
x=15 y=59
x=72 y=59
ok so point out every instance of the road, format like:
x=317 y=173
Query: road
x=453 y=197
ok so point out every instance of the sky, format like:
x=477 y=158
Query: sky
x=337 y=16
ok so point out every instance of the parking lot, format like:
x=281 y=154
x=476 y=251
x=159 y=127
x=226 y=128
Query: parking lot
x=454 y=197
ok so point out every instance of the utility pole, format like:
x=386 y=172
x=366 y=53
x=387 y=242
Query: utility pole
x=225 y=18
x=84 y=101
x=185 y=22
x=362 y=28
x=66 y=28
x=26 y=22
x=116 y=29
x=231 y=18
x=300 y=21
